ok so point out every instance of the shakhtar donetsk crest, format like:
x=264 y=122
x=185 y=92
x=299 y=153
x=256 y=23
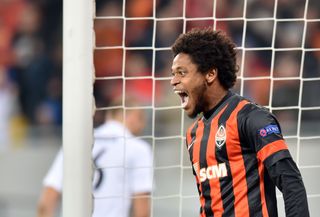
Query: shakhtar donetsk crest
x=221 y=136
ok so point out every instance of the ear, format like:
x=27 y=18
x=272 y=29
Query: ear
x=211 y=75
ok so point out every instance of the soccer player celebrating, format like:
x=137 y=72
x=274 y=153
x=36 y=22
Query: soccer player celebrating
x=236 y=147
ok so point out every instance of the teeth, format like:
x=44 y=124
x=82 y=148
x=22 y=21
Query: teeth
x=184 y=97
x=184 y=101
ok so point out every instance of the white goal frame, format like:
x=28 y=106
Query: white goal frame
x=78 y=107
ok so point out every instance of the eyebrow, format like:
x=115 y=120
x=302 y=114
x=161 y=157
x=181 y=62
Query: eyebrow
x=179 y=67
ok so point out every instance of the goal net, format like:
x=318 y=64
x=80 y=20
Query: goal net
x=278 y=46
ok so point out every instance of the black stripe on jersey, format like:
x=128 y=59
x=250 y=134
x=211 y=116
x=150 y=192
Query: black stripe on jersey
x=251 y=166
x=203 y=164
x=253 y=183
x=270 y=194
x=226 y=183
x=193 y=136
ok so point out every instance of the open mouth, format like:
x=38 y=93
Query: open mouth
x=184 y=97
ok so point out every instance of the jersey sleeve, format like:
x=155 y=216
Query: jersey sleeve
x=141 y=176
x=261 y=132
x=54 y=176
x=286 y=176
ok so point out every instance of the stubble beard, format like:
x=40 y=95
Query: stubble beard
x=200 y=102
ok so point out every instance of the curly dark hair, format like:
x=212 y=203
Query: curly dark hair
x=210 y=49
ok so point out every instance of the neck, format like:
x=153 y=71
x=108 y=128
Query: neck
x=215 y=97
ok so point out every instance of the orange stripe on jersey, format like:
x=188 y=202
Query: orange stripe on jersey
x=271 y=148
x=196 y=159
x=215 y=193
x=262 y=192
x=188 y=137
x=237 y=166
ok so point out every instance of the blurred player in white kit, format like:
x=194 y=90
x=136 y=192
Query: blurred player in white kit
x=122 y=180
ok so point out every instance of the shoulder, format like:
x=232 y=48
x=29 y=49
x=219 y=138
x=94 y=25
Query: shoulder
x=259 y=124
x=53 y=177
x=139 y=152
x=255 y=114
x=139 y=144
x=58 y=158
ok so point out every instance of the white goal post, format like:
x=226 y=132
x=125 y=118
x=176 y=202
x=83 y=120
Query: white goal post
x=78 y=107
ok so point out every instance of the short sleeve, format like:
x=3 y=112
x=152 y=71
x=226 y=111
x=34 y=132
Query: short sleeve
x=261 y=131
x=141 y=169
x=54 y=177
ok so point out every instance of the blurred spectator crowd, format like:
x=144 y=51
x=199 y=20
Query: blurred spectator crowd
x=139 y=50
x=30 y=66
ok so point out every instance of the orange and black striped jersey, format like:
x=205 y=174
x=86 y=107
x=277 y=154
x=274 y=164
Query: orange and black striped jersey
x=232 y=149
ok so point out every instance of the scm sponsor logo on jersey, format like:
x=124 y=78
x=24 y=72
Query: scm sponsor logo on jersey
x=213 y=172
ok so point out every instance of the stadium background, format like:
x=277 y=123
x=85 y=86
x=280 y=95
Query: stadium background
x=31 y=84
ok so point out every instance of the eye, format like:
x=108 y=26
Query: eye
x=182 y=73
x=179 y=73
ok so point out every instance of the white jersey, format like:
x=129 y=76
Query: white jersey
x=123 y=168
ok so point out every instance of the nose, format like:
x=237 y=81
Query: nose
x=174 y=80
